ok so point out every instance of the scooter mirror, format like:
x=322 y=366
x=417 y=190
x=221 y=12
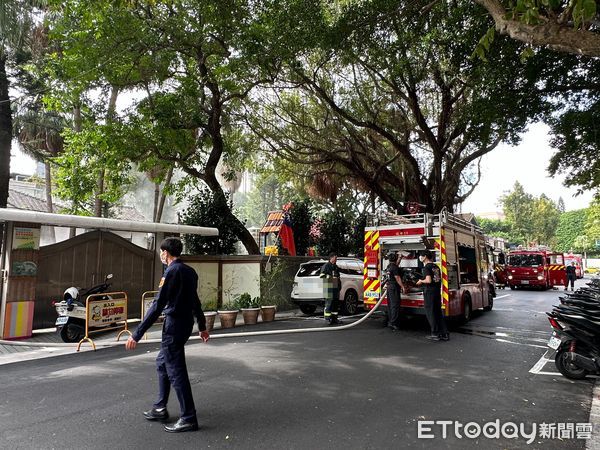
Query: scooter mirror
x=109 y=276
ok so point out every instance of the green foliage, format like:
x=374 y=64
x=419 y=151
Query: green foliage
x=86 y=155
x=570 y=226
x=592 y=224
x=496 y=228
x=518 y=209
x=533 y=12
x=245 y=301
x=209 y=305
x=275 y=281
x=207 y=209
x=577 y=141
x=335 y=232
x=357 y=236
x=302 y=219
x=531 y=220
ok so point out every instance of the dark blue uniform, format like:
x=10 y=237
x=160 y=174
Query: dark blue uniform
x=178 y=299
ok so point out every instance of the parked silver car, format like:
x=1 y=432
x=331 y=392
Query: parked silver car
x=308 y=290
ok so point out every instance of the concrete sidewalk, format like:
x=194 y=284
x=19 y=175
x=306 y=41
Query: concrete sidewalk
x=47 y=343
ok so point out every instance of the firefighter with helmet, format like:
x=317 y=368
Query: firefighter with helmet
x=331 y=276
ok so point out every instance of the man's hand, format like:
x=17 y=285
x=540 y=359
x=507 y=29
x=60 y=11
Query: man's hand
x=204 y=335
x=130 y=344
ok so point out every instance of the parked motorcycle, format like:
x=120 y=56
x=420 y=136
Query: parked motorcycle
x=70 y=323
x=576 y=332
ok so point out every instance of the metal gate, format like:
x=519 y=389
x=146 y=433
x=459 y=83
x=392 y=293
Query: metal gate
x=84 y=261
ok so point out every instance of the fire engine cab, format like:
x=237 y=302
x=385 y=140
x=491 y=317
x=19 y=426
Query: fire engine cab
x=577 y=259
x=536 y=267
x=460 y=251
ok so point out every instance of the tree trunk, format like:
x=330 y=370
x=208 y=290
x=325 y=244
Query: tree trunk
x=99 y=206
x=98 y=203
x=77 y=122
x=5 y=133
x=163 y=196
x=49 y=204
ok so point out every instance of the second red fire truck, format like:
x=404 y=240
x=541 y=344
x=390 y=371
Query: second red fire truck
x=535 y=267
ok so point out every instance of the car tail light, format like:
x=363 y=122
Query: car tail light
x=555 y=323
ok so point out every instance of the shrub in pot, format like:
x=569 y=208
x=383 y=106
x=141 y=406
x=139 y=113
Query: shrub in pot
x=268 y=312
x=228 y=315
x=209 y=307
x=250 y=308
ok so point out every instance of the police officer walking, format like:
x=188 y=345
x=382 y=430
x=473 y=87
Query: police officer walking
x=178 y=299
x=432 y=287
x=394 y=285
x=331 y=276
x=571 y=276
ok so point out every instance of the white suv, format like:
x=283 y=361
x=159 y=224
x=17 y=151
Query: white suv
x=307 y=291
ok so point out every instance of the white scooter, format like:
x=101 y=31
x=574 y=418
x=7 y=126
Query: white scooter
x=70 y=323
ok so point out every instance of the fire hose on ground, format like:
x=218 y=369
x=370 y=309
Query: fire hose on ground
x=214 y=336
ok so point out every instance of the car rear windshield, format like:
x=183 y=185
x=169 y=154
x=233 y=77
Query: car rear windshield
x=310 y=270
x=525 y=260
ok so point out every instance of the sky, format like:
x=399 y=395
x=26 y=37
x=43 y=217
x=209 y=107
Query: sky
x=525 y=163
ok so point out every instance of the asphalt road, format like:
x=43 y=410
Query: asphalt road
x=364 y=388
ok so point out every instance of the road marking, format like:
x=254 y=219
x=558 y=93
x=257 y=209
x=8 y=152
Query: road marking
x=502 y=296
x=519 y=343
x=594 y=442
x=538 y=366
x=554 y=374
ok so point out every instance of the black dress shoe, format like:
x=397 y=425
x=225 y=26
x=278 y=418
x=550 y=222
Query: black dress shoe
x=394 y=328
x=180 y=426
x=445 y=337
x=157 y=414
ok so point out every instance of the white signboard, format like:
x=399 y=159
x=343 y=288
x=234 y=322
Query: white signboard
x=26 y=238
x=103 y=312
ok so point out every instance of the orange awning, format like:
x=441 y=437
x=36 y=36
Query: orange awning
x=273 y=223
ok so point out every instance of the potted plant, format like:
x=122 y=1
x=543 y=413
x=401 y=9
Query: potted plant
x=228 y=315
x=268 y=312
x=250 y=308
x=210 y=313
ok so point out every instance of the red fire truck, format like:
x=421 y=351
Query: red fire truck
x=535 y=267
x=577 y=259
x=460 y=251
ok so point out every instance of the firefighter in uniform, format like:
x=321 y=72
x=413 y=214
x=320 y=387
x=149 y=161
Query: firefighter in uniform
x=571 y=276
x=394 y=285
x=331 y=276
x=432 y=286
x=178 y=299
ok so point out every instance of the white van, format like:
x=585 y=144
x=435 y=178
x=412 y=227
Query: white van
x=307 y=291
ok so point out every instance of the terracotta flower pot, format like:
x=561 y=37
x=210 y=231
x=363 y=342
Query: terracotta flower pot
x=227 y=318
x=268 y=313
x=250 y=315
x=210 y=317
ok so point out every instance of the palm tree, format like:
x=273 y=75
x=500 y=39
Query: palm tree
x=39 y=135
x=16 y=20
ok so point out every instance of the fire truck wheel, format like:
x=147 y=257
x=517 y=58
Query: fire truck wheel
x=490 y=302
x=308 y=309
x=468 y=308
x=350 y=305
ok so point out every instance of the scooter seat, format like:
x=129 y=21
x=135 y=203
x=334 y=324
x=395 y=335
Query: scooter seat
x=578 y=320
